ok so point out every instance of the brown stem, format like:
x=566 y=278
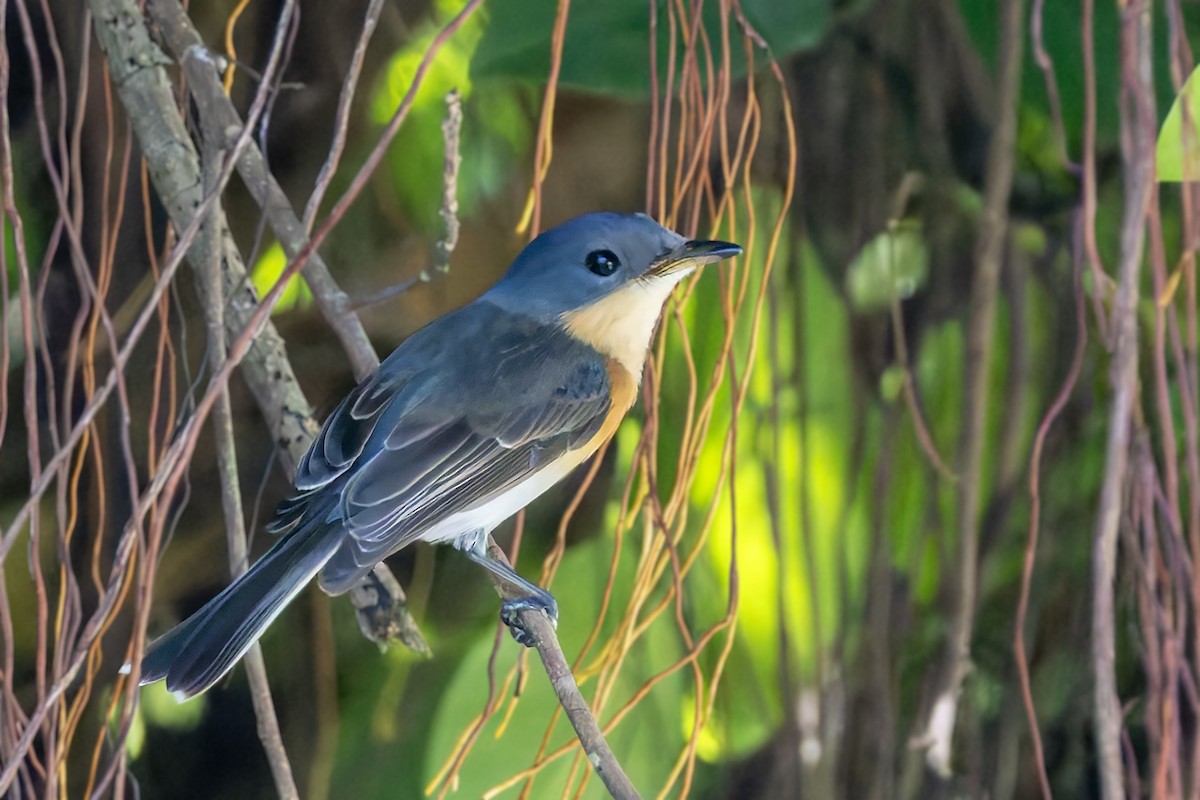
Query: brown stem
x=558 y=670
x=939 y=729
x=1035 y=508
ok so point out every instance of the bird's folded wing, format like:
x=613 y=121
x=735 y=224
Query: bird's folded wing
x=428 y=437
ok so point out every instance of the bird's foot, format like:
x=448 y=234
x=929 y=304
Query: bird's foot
x=510 y=615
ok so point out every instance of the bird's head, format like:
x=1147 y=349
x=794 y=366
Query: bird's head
x=605 y=277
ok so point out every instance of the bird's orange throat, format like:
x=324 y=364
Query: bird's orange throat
x=620 y=324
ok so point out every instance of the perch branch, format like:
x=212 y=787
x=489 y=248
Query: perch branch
x=558 y=670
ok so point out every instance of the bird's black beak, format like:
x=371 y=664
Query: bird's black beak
x=695 y=253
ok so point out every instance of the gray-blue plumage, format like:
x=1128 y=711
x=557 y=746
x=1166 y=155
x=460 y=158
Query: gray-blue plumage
x=469 y=419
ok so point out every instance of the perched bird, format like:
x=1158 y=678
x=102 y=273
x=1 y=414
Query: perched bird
x=469 y=420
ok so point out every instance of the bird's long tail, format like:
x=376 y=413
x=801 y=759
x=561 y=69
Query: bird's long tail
x=197 y=652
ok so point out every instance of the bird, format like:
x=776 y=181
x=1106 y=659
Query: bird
x=464 y=424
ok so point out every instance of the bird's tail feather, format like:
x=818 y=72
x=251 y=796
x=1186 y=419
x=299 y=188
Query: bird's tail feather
x=197 y=652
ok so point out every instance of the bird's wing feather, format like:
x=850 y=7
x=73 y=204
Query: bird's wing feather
x=440 y=429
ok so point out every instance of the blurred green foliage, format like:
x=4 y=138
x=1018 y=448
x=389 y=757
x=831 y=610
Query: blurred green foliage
x=606 y=46
x=266 y=273
x=496 y=130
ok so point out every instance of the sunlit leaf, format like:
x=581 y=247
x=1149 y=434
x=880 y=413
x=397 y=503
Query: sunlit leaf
x=163 y=709
x=496 y=128
x=793 y=564
x=1178 y=153
x=892 y=266
x=266 y=273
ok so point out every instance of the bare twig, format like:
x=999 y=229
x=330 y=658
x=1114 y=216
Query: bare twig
x=219 y=120
x=599 y=754
x=342 y=118
x=1088 y=188
x=1035 y=510
x=1046 y=64
x=213 y=301
x=383 y=615
x=938 y=733
x=543 y=149
x=910 y=183
x=451 y=131
x=1137 y=150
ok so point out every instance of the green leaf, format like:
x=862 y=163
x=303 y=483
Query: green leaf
x=892 y=265
x=495 y=133
x=1178 y=154
x=266 y=273
x=607 y=44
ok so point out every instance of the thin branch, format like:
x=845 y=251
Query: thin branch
x=908 y=185
x=219 y=119
x=342 y=118
x=1035 y=510
x=558 y=670
x=1137 y=152
x=213 y=301
x=938 y=733
x=451 y=134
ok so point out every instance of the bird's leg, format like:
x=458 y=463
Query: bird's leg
x=535 y=599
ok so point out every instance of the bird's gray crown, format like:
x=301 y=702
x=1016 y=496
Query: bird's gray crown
x=580 y=261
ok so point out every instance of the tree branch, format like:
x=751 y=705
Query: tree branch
x=545 y=641
x=1137 y=153
x=213 y=302
x=388 y=618
x=219 y=119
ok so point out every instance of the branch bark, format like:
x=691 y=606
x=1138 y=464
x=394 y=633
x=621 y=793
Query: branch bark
x=558 y=670
x=1137 y=153
x=139 y=74
x=219 y=119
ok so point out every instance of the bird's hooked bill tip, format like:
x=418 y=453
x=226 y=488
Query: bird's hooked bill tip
x=695 y=253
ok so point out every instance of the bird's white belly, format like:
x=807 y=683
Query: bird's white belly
x=468 y=529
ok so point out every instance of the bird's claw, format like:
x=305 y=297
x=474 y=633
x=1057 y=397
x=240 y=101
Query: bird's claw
x=510 y=615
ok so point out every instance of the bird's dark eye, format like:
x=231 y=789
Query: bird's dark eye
x=602 y=262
